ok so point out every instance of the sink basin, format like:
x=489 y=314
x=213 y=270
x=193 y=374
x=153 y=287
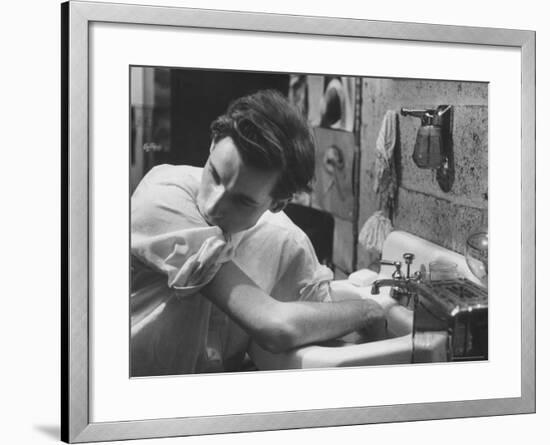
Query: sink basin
x=397 y=348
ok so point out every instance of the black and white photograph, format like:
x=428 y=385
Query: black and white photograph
x=285 y=221
x=279 y=221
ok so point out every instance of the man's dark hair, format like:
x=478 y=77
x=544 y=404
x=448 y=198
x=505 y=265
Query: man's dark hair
x=270 y=134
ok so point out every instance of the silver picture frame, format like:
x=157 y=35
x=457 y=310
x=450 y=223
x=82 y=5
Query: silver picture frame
x=76 y=281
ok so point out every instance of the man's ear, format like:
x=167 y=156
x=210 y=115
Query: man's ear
x=211 y=145
x=279 y=204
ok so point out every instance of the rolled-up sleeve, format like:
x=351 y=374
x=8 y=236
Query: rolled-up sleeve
x=303 y=277
x=279 y=257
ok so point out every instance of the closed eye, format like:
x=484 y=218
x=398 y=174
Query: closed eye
x=245 y=200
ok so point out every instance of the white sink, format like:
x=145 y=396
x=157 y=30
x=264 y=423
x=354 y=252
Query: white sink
x=344 y=352
x=398 y=347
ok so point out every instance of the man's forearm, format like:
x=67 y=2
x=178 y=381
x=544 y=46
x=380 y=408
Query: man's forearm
x=313 y=322
x=278 y=326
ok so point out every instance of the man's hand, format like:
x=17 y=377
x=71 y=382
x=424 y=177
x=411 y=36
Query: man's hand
x=376 y=325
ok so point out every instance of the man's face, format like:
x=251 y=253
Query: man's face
x=233 y=195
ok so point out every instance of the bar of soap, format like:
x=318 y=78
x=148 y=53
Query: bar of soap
x=362 y=277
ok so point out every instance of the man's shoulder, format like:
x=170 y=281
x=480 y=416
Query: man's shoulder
x=167 y=178
x=281 y=224
x=166 y=186
x=174 y=173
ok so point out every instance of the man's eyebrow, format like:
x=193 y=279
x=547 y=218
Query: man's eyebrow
x=241 y=196
x=213 y=167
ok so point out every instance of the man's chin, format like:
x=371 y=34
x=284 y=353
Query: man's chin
x=227 y=229
x=206 y=218
x=215 y=222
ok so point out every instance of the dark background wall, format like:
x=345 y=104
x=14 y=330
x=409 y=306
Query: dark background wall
x=198 y=98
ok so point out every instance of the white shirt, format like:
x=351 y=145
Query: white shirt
x=170 y=236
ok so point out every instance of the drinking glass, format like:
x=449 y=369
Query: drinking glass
x=443 y=270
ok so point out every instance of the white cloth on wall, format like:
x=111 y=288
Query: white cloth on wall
x=384 y=168
x=378 y=225
x=375 y=231
x=170 y=318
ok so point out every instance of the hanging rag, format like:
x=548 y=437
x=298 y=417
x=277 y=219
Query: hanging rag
x=378 y=226
x=375 y=231
x=385 y=178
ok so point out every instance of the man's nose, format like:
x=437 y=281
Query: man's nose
x=216 y=200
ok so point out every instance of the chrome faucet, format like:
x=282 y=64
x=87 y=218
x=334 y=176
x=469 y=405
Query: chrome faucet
x=403 y=287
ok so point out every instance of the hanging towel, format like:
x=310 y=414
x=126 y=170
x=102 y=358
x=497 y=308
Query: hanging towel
x=385 y=180
x=378 y=226
x=374 y=231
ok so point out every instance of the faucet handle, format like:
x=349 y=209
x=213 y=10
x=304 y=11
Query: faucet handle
x=397 y=275
x=408 y=257
x=388 y=262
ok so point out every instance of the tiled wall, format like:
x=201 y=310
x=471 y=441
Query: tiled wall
x=422 y=207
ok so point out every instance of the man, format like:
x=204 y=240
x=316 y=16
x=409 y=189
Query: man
x=219 y=236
